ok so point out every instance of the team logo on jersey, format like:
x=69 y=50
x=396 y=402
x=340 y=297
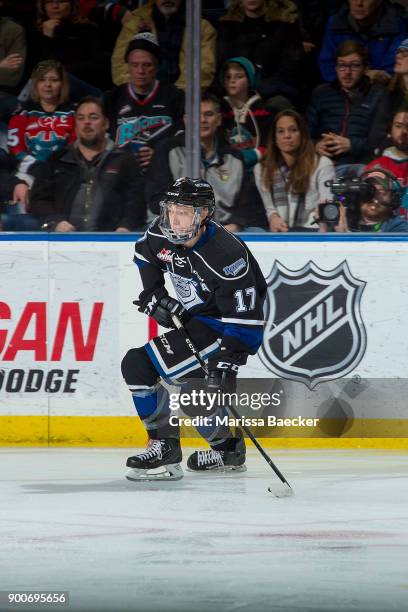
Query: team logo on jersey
x=141 y=128
x=234 y=268
x=314 y=331
x=186 y=289
x=125 y=109
x=179 y=261
x=165 y=255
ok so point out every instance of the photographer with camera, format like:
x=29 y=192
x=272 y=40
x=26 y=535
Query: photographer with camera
x=366 y=204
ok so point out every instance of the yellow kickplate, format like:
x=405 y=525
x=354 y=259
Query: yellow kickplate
x=129 y=431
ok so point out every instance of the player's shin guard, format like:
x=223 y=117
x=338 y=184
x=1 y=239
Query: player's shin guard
x=149 y=397
x=217 y=431
x=152 y=406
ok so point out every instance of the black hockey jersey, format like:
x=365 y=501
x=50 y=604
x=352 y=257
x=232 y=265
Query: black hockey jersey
x=144 y=121
x=217 y=280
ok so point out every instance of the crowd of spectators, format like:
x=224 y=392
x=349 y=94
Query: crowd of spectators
x=294 y=94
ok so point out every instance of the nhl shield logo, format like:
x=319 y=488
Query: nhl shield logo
x=314 y=331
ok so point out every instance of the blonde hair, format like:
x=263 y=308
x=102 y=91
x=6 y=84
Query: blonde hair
x=306 y=156
x=41 y=70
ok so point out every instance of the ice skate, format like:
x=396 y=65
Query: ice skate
x=211 y=460
x=160 y=461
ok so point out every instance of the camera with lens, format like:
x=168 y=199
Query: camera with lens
x=347 y=192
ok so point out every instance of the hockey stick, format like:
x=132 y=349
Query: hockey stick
x=282 y=490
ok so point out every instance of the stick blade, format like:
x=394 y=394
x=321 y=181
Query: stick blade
x=282 y=489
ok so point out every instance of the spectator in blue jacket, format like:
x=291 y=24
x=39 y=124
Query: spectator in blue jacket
x=341 y=114
x=377 y=24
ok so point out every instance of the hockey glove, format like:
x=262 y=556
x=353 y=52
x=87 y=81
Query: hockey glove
x=223 y=369
x=221 y=380
x=162 y=310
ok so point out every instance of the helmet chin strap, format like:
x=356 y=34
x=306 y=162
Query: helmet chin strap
x=204 y=222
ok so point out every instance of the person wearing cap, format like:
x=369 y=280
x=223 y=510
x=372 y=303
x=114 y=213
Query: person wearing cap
x=379 y=213
x=166 y=20
x=378 y=25
x=246 y=119
x=146 y=110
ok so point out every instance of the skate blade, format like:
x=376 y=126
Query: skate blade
x=166 y=472
x=225 y=469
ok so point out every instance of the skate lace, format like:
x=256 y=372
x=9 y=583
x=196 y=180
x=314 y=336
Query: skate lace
x=209 y=456
x=154 y=449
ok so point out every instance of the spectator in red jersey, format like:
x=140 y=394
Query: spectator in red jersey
x=46 y=122
x=395 y=157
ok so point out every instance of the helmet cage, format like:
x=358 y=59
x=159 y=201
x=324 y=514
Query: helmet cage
x=180 y=236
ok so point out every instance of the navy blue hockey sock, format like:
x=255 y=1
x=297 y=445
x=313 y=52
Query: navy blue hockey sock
x=152 y=406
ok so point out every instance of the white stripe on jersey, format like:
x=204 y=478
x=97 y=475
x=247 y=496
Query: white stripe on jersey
x=138 y=256
x=242 y=321
x=190 y=363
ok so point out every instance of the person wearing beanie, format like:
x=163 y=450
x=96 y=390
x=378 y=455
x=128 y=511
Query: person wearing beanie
x=245 y=118
x=145 y=110
x=166 y=20
x=146 y=41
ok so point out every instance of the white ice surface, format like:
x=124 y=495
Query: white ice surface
x=70 y=521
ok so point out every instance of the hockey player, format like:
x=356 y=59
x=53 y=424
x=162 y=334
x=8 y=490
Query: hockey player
x=220 y=291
